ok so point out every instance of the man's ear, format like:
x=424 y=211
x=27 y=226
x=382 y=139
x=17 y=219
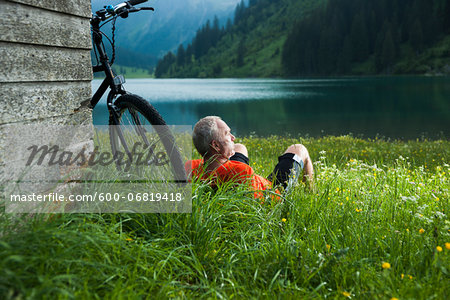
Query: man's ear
x=215 y=145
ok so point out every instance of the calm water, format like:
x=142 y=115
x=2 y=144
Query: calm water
x=395 y=107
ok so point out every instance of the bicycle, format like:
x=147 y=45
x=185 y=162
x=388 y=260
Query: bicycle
x=128 y=110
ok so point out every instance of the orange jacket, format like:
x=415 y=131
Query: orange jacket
x=235 y=171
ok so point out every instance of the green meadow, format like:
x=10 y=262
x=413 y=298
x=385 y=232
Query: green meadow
x=374 y=226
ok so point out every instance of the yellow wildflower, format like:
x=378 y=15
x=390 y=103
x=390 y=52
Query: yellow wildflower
x=346 y=294
x=439 y=248
x=283 y=220
x=328 y=247
x=129 y=239
x=447 y=246
x=393 y=298
x=386 y=265
x=421 y=230
x=402 y=276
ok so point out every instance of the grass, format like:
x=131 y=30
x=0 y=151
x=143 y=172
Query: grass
x=129 y=72
x=375 y=227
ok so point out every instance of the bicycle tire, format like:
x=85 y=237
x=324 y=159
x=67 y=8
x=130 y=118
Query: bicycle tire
x=128 y=104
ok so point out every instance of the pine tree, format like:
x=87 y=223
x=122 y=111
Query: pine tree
x=345 y=57
x=359 y=39
x=181 y=55
x=446 y=17
x=240 y=53
x=164 y=65
x=388 y=51
x=239 y=12
x=325 y=55
x=188 y=55
x=416 y=36
x=229 y=26
x=215 y=32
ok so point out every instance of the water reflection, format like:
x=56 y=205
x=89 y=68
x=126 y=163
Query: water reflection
x=396 y=107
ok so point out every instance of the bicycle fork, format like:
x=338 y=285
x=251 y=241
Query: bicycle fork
x=116 y=130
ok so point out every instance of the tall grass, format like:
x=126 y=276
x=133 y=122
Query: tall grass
x=375 y=226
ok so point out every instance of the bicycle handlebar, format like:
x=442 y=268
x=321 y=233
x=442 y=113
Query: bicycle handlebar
x=121 y=9
x=136 y=2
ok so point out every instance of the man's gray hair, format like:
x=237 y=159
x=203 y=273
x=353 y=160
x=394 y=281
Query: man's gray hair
x=205 y=131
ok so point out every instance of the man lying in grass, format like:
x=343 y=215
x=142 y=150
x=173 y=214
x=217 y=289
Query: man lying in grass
x=225 y=161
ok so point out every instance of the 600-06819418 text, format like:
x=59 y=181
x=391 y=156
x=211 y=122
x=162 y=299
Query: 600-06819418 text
x=59 y=169
x=55 y=197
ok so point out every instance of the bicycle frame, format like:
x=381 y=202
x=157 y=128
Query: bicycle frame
x=111 y=81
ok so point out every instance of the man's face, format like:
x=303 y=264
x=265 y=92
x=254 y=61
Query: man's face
x=225 y=141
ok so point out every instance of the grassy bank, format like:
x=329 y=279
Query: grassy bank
x=129 y=72
x=375 y=227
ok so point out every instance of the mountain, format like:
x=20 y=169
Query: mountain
x=274 y=38
x=250 y=46
x=145 y=36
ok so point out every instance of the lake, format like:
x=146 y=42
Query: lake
x=393 y=107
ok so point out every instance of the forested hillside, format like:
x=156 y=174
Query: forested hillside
x=145 y=36
x=270 y=38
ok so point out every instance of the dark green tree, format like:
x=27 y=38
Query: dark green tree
x=164 y=65
x=345 y=57
x=326 y=54
x=416 y=35
x=240 y=53
x=358 y=37
x=188 y=55
x=215 y=32
x=239 y=12
x=446 y=17
x=229 y=26
x=388 y=51
x=181 y=56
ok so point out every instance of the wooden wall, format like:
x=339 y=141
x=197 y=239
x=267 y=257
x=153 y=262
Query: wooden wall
x=45 y=60
x=45 y=68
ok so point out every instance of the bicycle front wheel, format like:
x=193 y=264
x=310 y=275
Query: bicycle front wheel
x=155 y=151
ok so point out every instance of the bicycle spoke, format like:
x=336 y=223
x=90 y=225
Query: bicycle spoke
x=139 y=128
x=153 y=149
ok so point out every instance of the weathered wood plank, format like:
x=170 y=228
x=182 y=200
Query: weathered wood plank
x=25 y=24
x=27 y=63
x=28 y=101
x=82 y=118
x=74 y=7
x=46 y=67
